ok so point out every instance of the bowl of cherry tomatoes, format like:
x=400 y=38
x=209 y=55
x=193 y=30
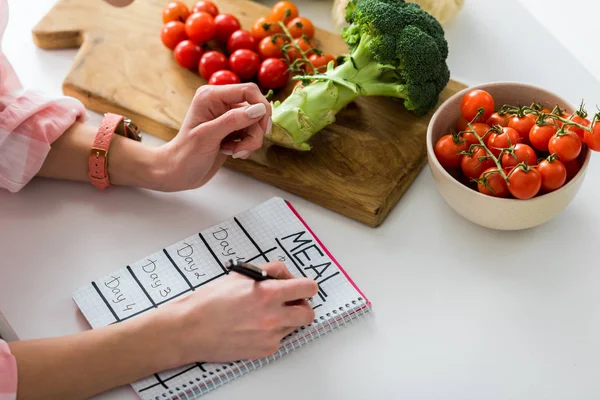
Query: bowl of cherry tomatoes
x=510 y=156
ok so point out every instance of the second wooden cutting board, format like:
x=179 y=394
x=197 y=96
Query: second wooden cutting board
x=360 y=166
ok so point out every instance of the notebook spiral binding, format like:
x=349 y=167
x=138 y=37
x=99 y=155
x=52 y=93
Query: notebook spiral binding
x=334 y=319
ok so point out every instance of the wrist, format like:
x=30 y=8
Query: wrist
x=132 y=163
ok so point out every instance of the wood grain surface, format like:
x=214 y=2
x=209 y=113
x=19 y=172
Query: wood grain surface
x=360 y=166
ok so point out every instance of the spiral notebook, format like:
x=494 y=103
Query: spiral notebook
x=271 y=231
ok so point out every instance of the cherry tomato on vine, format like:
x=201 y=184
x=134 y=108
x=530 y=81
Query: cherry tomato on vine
x=504 y=140
x=522 y=125
x=175 y=11
x=223 y=77
x=301 y=26
x=265 y=26
x=553 y=173
x=284 y=11
x=578 y=119
x=566 y=146
x=447 y=150
x=304 y=45
x=497 y=119
x=200 y=27
x=244 y=63
x=206 y=6
x=524 y=183
x=522 y=153
x=592 y=139
x=573 y=168
x=474 y=165
x=241 y=39
x=563 y=115
x=172 y=34
x=320 y=62
x=225 y=25
x=473 y=101
x=540 y=135
x=481 y=130
x=273 y=74
x=461 y=124
x=211 y=62
x=188 y=54
x=270 y=47
x=492 y=183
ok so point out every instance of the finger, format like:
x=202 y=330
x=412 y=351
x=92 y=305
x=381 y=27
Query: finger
x=250 y=142
x=293 y=289
x=298 y=315
x=277 y=270
x=233 y=120
x=233 y=94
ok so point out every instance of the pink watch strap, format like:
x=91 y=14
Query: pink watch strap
x=98 y=161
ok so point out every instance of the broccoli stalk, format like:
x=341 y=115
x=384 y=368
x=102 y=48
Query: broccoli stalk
x=397 y=50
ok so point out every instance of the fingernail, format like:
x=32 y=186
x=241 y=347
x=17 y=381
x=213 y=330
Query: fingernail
x=269 y=126
x=227 y=152
x=241 y=154
x=256 y=110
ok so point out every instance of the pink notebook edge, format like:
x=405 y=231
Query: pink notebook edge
x=297 y=214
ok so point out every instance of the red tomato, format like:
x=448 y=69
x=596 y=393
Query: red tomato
x=474 y=165
x=241 y=39
x=273 y=74
x=211 y=62
x=573 y=168
x=581 y=121
x=524 y=183
x=225 y=24
x=223 y=77
x=320 y=62
x=200 y=27
x=462 y=124
x=265 y=26
x=553 y=173
x=175 y=11
x=447 y=151
x=492 y=183
x=522 y=153
x=540 y=135
x=559 y=123
x=504 y=140
x=473 y=101
x=497 y=119
x=207 y=7
x=522 y=125
x=301 y=26
x=172 y=33
x=244 y=63
x=304 y=45
x=187 y=54
x=284 y=11
x=593 y=139
x=481 y=130
x=270 y=47
x=566 y=146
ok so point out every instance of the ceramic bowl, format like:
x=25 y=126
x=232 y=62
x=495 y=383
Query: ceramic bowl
x=488 y=211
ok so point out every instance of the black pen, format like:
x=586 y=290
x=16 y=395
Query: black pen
x=248 y=270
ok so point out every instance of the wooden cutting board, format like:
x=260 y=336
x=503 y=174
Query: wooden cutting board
x=359 y=167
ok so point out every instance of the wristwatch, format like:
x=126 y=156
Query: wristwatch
x=98 y=161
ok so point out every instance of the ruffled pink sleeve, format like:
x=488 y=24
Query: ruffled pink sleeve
x=29 y=122
x=8 y=373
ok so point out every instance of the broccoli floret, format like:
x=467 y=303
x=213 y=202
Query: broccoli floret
x=396 y=50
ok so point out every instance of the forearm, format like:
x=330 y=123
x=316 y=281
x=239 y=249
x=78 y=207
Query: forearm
x=82 y=365
x=130 y=163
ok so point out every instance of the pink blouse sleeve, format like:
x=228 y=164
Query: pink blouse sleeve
x=8 y=373
x=29 y=122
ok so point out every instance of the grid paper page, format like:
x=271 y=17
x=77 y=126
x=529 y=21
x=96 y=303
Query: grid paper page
x=271 y=231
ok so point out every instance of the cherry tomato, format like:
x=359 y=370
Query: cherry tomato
x=223 y=77
x=301 y=26
x=270 y=47
x=187 y=54
x=175 y=11
x=563 y=115
x=241 y=39
x=566 y=146
x=540 y=135
x=573 y=168
x=200 y=27
x=207 y=7
x=592 y=139
x=554 y=174
x=172 y=33
x=474 y=165
x=320 y=62
x=497 y=119
x=244 y=63
x=500 y=141
x=304 y=45
x=522 y=125
x=462 y=124
x=284 y=11
x=473 y=101
x=581 y=121
x=265 y=26
x=211 y=62
x=492 y=183
x=447 y=151
x=522 y=153
x=273 y=73
x=481 y=130
x=225 y=24
x=524 y=183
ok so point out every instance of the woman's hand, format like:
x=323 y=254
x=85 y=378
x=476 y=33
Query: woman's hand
x=235 y=318
x=221 y=121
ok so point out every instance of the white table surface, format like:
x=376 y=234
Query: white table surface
x=461 y=312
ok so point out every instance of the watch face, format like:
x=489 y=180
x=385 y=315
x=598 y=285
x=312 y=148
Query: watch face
x=130 y=130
